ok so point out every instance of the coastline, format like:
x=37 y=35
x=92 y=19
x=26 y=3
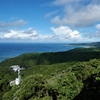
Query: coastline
x=10 y=50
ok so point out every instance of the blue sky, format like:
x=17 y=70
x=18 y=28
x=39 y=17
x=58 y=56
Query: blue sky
x=49 y=21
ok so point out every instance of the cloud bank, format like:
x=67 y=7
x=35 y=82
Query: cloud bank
x=77 y=13
x=61 y=34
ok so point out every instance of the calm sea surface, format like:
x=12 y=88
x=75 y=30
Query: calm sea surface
x=9 y=50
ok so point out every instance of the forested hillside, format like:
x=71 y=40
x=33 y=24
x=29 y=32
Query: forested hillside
x=70 y=75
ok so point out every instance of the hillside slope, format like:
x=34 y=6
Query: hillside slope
x=69 y=75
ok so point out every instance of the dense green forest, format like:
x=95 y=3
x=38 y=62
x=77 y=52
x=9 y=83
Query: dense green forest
x=69 y=75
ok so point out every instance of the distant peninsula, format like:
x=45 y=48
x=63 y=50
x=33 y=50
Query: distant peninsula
x=95 y=44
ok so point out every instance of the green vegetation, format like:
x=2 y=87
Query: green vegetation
x=70 y=75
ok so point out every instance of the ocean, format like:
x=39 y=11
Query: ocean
x=10 y=50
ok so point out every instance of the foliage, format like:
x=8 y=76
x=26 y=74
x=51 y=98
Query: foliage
x=70 y=75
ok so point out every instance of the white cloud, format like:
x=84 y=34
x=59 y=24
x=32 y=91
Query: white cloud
x=17 y=23
x=24 y=35
x=57 y=21
x=62 y=33
x=98 y=26
x=15 y=34
x=66 y=33
x=77 y=14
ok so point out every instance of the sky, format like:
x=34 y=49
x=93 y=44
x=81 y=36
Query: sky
x=50 y=21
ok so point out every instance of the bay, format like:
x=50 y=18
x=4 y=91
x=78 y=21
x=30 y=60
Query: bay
x=9 y=50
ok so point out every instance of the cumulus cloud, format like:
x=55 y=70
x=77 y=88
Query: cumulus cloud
x=81 y=14
x=29 y=34
x=17 y=23
x=64 y=32
x=15 y=34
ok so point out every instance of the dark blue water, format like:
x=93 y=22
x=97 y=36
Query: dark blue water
x=9 y=50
